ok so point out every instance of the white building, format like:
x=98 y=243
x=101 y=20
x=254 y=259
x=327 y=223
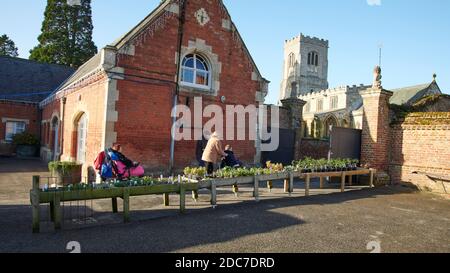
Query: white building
x=305 y=76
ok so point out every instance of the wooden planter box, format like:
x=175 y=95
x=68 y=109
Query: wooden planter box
x=54 y=198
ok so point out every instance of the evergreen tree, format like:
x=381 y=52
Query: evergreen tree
x=8 y=47
x=66 y=34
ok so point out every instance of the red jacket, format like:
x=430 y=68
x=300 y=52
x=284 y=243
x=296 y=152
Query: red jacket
x=99 y=161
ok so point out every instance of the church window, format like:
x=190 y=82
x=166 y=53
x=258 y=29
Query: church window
x=320 y=105
x=195 y=71
x=308 y=107
x=334 y=102
x=291 y=60
x=313 y=58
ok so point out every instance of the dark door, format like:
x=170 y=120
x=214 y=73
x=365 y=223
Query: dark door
x=285 y=152
x=345 y=143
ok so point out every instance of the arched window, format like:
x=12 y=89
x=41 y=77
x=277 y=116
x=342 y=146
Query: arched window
x=291 y=60
x=195 y=71
x=319 y=105
x=313 y=58
x=334 y=102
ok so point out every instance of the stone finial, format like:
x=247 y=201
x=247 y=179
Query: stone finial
x=377 y=78
x=434 y=77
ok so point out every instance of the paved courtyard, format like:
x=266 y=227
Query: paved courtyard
x=398 y=218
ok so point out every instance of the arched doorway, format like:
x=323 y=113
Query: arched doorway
x=81 y=134
x=331 y=121
x=56 y=149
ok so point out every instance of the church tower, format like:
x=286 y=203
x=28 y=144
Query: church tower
x=305 y=67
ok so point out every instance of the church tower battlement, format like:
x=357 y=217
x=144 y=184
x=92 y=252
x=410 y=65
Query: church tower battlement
x=305 y=66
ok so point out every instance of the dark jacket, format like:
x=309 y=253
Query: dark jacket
x=230 y=160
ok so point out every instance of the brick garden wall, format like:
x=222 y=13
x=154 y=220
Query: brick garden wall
x=421 y=143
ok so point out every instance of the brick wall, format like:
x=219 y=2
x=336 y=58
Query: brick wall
x=314 y=148
x=27 y=112
x=420 y=143
x=86 y=98
x=49 y=113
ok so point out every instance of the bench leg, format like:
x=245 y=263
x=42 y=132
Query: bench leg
x=256 y=189
x=52 y=211
x=182 y=200
x=213 y=195
x=343 y=182
x=286 y=185
x=166 y=197
x=308 y=184
x=126 y=206
x=114 y=205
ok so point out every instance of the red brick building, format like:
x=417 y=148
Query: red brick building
x=125 y=94
x=23 y=84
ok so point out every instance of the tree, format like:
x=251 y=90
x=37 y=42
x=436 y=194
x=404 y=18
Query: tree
x=8 y=47
x=66 y=34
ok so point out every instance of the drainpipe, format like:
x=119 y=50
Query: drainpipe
x=40 y=115
x=182 y=18
x=61 y=134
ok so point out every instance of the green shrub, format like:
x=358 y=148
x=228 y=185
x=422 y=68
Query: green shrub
x=62 y=167
x=25 y=139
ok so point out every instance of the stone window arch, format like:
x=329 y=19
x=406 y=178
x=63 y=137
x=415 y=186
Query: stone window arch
x=201 y=49
x=196 y=71
x=291 y=60
x=313 y=58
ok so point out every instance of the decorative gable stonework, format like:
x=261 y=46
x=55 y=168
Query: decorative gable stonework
x=202 y=17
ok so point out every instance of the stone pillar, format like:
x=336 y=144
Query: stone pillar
x=376 y=130
x=295 y=107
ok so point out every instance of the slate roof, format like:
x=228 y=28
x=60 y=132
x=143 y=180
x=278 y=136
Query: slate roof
x=83 y=70
x=411 y=94
x=29 y=81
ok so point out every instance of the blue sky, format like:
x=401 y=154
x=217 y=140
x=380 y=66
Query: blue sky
x=415 y=34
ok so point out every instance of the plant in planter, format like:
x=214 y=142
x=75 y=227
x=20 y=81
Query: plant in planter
x=67 y=173
x=195 y=173
x=26 y=144
x=276 y=168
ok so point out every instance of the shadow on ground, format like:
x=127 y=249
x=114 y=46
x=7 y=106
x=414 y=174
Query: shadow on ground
x=164 y=230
